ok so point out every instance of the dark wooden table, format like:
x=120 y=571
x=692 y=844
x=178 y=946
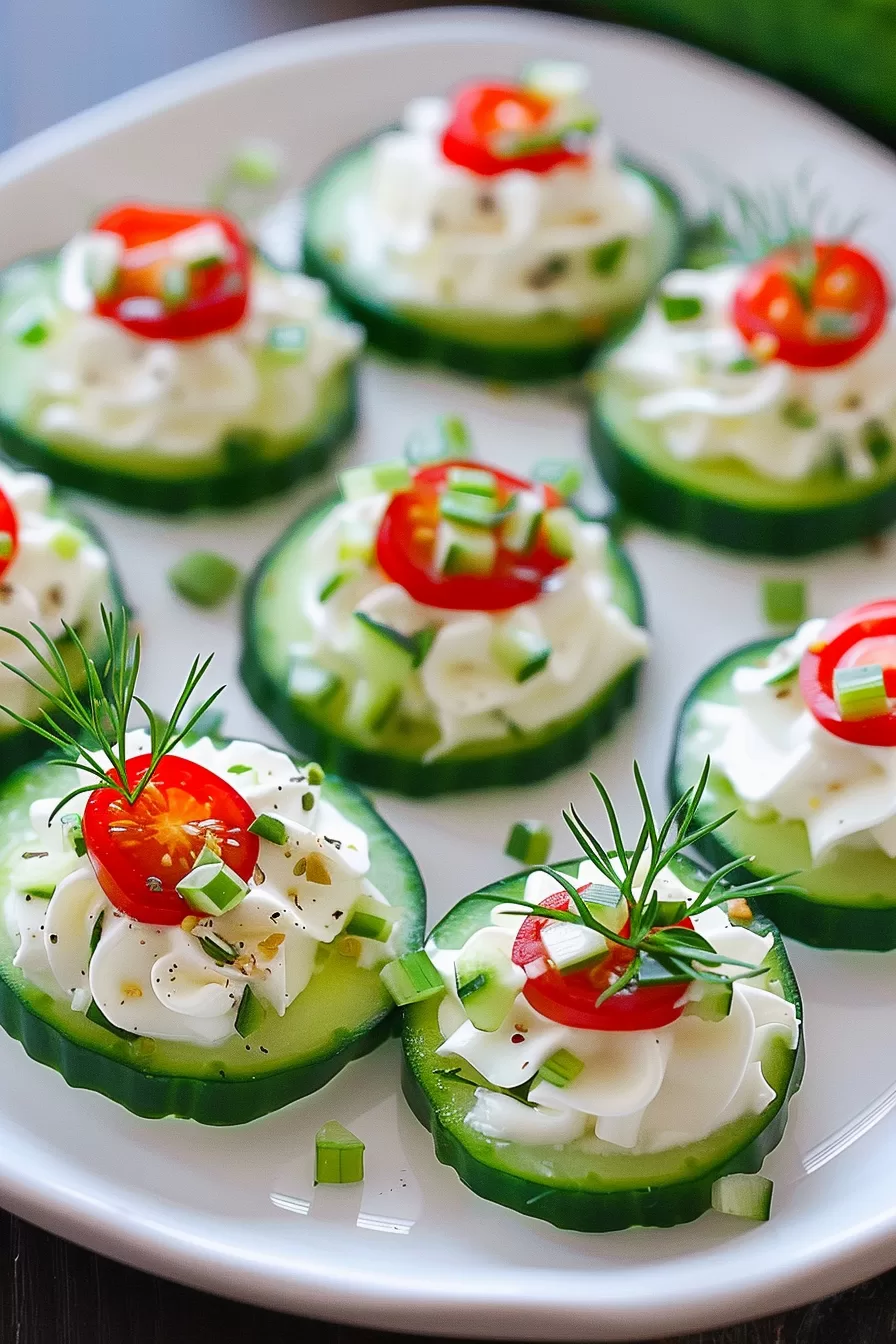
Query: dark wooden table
x=56 y=57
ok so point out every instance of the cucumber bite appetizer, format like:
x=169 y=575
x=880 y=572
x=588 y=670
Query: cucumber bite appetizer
x=494 y=232
x=444 y=626
x=803 y=741
x=53 y=570
x=755 y=406
x=154 y=362
x=192 y=926
x=609 y=1044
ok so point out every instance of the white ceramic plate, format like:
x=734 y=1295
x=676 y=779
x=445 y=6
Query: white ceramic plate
x=235 y=1211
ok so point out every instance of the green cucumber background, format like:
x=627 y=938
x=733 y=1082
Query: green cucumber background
x=344 y=1013
x=847 y=903
x=566 y=1186
x=392 y=760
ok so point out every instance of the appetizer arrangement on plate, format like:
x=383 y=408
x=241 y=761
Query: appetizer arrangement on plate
x=610 y=1043
x=53 y=569
x=155 y=362
x=193 y=926
x=444 y=625
x=803 y=741
x=754 y=407
x=494 y=232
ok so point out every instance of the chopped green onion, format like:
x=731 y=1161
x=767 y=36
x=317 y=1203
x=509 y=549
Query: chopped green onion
x=561 y=530
x=565 y=477
x=31 y=324
x=798 y=415
x=363 y=924
x=412 y=978
x=333 y=584
x=529 y=842
x=308 y=681
x=472 y=481
x=573 y=947
x=744 y=364
x=5 y=545
x=257 y=163
x=784 y=601
x=96 y=932
x=447 y=438
x=877 y=441
x=218 y=948
x=175 y=286
x=422 y=642
x=608 y=257
x=680 y=307
x=744 y=1195
x=338 y=1155
x=314 y=773
x=96 y=1015
x=474 y=510
x=211 y=888
x=73 y=829
x=240 y=769
x=269 y=828
x=102 y=261
x=204 y=578
x=860 y=692
x=383 y=477
x=66 y=542
x=562 y=1068
x=356 y=543
x=464 y=550
x=519 y=652
x=835 y=322
x=520 y=531
x=287 y=342
x=249 y=1015
x=472 y=986
x=307 y=802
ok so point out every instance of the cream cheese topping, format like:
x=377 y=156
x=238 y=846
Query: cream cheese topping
x=157 y=981
x=460 y=686
x=644 y=1091
x=783 y=422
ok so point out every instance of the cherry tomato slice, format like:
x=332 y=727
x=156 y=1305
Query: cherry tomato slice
x=9 y=533
x=406 y=540
x=862 y=635
x=813 y=309
x=216 y=294
x=485 y=112
x=571 y=998
x=140 y=853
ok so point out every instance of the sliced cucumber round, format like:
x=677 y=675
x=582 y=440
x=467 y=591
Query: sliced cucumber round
x=506 y=348
x=335 y=728
x=343 y=1013
x=246 y=466
x=844 y=903
x=725 y=503
x=567 y=1185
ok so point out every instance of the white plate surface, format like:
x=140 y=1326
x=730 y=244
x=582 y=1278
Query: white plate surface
x=235 y=1211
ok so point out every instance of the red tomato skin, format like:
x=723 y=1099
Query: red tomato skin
x=465 y=139
x=9 y=522
x=820 y=661
x=123 y=877
x=224 y=290
x=766 y=281
x=515 y=579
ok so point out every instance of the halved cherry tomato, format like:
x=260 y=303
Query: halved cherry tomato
x=861 y=636
x=486 y=113
x=216 y=292
x=813 y=307
x=571 y=997
x=9 y=533
x=406 y=541
x=140 y=853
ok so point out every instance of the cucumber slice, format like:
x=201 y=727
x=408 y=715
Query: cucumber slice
x=574 y=1186
x=272 y=627
x=724 y=503
x=844 y=903
x=246 y=466
x=552 y=344
x=342 y=1014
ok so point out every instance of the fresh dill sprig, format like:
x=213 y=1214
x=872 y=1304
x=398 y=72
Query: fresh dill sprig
x=100 y=712
x=681 y=951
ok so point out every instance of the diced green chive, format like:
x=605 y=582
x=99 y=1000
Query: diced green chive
x=472 y=481
x=519 y=652
x=609 y=904
x=67 y=542
x=239 y=769
x=314 y=773
x=412 y=978
x=565 y=477
x=211 y=888
x=562 y=1068
x=472 y=510
x=31 y=324
x=383 y=477
x=745 y=364
x=338 y=1155
x=96 y=932
x=472 y=986
x=744 y=1195
x=784 y=601
x=422 y=642
x=218 y=948
x=365 y=925
x=520 y=530
x=204 y=578
x=175 y=286
x=464 y=550
x=860 y=692
x=5 y=545
x=307 y=802
x=287 y=342
x=333 y=584
x=249 y=1015
x=798 y=415
x=73 y=829
x=529 y=842
x=608 y=257
x=310 y=682
x=560 y=530
x=259 y=164
x=680 y=307
x=447 y=438
x=269 y=828
x=877 y=441
x=96 y=1015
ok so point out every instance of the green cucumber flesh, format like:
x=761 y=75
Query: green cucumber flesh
x=393 y=757
x=487 y=985
x=569 y=1186
x=724 y=502
x=344 y=1012
x=844 y=903
x=552 y=344
x=249 y=464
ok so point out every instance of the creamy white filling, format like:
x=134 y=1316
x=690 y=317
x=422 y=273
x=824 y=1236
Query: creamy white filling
x=428 y=231
x=157 y=981
x=461 y=686
x=781 y=762
x=95 y=381
x=57 y=577
x=640 y=1090
x=703 y=408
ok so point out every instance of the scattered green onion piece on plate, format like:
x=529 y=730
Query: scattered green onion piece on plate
x=250 y=1014
x=860 y=692
x=412 y=978
x=561 y=1069
x=66 y=542
x=784 y=601
x=447 y=438
x=257 y=163
x=380 y=478
x=211 y=888
x=565 y=477
x=338 y=1155
x=204 y=578
x=744 y=1195
x=269 y=828
x=529 y=842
